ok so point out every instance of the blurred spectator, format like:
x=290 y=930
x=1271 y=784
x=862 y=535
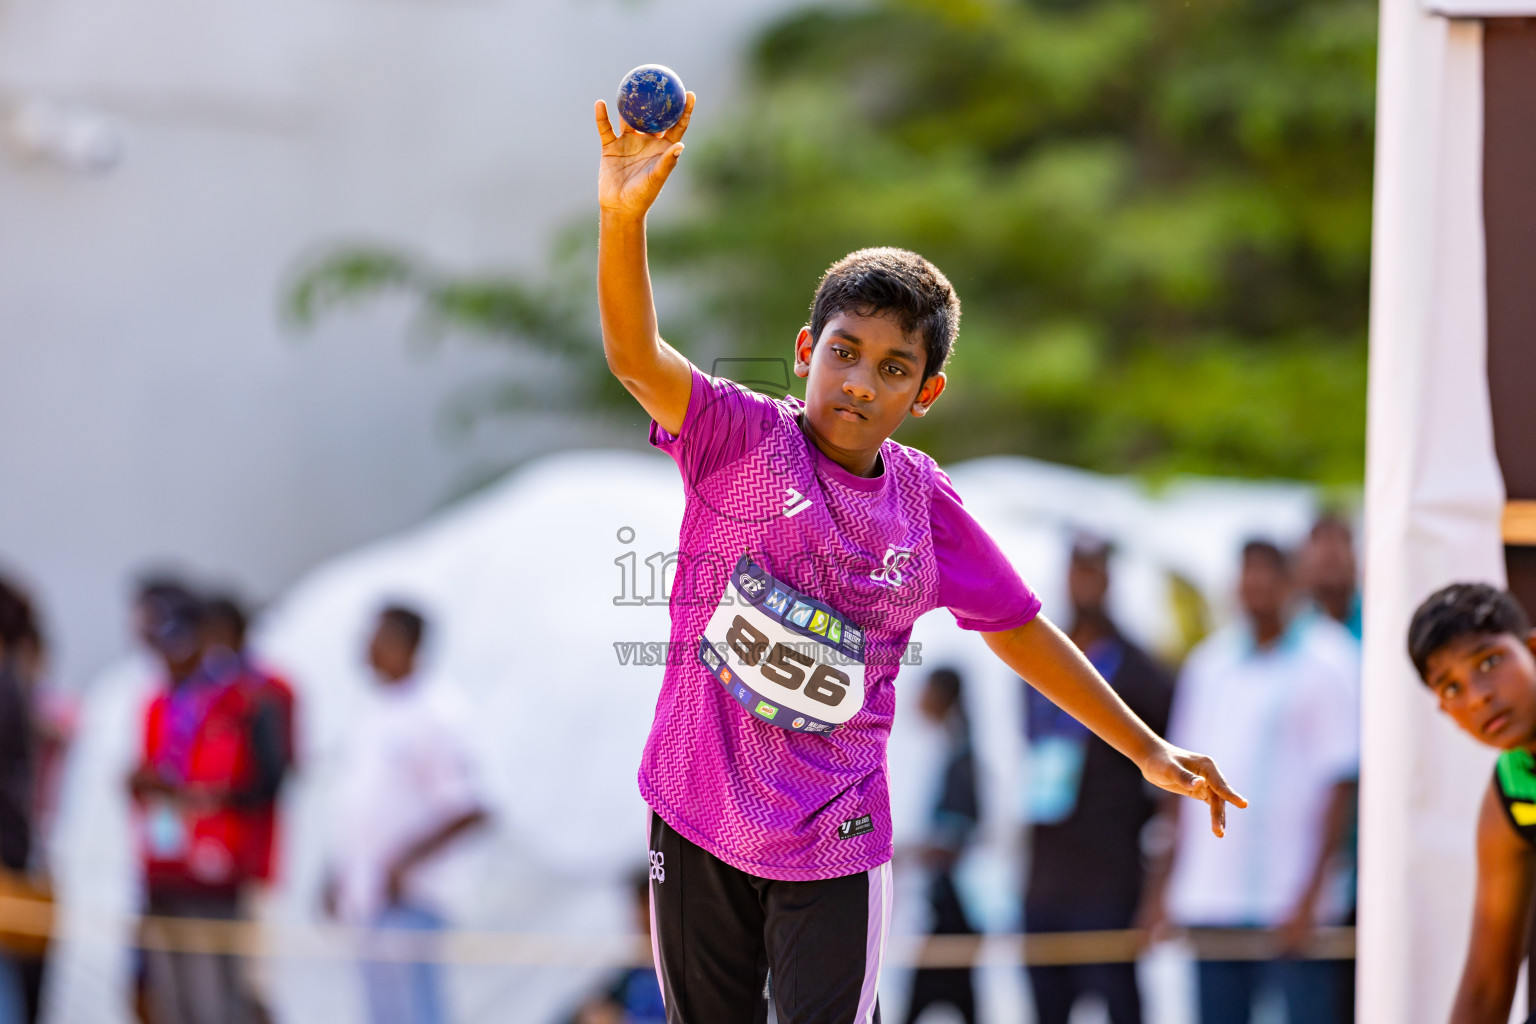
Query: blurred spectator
x=407 y=792
x=195 y=835
x=634 y=996
x=956 y=810
x=1089 y=805
x=271 y=708
x=1274 y=701
x=21 y=660
x=1328 y=573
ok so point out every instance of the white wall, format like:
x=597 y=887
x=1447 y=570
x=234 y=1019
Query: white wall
x=152 y=408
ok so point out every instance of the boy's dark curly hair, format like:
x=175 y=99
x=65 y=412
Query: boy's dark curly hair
x=892 y=282
x=1462 y=609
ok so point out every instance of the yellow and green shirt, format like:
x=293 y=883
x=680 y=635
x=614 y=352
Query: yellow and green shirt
x=1515 y=779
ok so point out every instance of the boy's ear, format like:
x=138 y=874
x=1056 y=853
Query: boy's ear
x=929 y=393
x=804 y=342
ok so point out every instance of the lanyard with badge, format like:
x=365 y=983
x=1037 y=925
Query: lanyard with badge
x=1057 y=746
x=786 y=658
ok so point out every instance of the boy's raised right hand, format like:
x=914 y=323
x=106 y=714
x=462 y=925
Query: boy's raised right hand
x=634 y=165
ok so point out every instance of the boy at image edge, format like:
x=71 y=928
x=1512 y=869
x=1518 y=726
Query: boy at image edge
x=1472 y=645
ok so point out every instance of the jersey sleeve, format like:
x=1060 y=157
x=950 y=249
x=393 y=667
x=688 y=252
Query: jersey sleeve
x=977 y=583
x=724 y=421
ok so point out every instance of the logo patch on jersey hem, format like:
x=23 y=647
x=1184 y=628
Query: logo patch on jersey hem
x=856 y=827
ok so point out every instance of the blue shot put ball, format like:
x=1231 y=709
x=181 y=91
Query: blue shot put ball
x=651 y=98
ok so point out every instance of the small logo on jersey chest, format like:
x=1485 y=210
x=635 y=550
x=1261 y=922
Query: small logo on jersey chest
x=856 y=827
x=891 y=566
x=658 y=866
x=794 y=502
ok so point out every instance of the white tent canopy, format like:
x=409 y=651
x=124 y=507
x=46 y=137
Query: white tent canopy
x=520 y=585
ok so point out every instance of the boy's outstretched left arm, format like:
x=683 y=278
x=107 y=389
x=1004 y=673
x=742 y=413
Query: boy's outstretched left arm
x=1052 y=664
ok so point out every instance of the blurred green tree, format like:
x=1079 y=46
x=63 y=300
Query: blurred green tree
x=1156 y=213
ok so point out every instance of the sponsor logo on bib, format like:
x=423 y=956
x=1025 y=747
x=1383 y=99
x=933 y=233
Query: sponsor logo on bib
x=774 y=648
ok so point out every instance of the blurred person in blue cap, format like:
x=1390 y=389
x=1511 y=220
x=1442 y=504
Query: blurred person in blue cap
x=194 y=835
x=1088 y=807
x=407 y=793
x=1276 y=695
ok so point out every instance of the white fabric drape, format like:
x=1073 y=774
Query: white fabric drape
x=1433 y=501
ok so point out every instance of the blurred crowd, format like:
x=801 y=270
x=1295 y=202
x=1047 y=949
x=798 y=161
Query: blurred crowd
x=1274 y=697
x=215 y=743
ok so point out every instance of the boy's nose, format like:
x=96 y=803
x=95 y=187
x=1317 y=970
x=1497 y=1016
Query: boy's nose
x=856 y=387
x=1479 y=691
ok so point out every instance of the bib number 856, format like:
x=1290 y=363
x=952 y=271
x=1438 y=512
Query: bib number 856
x=785 y=665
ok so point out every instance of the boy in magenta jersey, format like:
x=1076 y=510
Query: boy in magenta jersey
x=810 y=544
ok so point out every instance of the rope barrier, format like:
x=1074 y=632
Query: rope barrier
x=30 y=921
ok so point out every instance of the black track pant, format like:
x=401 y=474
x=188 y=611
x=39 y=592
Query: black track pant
x=717 y=932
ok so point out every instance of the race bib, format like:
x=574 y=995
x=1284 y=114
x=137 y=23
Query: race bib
x=785 y=657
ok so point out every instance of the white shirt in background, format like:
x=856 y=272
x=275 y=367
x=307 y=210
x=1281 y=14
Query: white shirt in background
x=406 y=771
x=1283 y=725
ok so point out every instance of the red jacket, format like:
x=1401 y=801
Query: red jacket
x=200 y=736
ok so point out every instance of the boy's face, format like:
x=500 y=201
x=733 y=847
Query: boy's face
x=1487 y=684
x=863 y=376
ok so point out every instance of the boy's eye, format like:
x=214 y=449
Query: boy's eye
x=1450 y=691
x=842 y=352
x=1489 y=662
x=894 y=370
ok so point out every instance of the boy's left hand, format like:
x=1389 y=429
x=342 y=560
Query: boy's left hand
x=1195 y=776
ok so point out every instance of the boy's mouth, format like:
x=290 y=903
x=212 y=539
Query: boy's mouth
x=848 y=412
x=1492 y=726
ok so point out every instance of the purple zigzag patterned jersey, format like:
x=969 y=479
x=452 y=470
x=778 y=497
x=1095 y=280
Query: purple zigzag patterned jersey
x=737 y=776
